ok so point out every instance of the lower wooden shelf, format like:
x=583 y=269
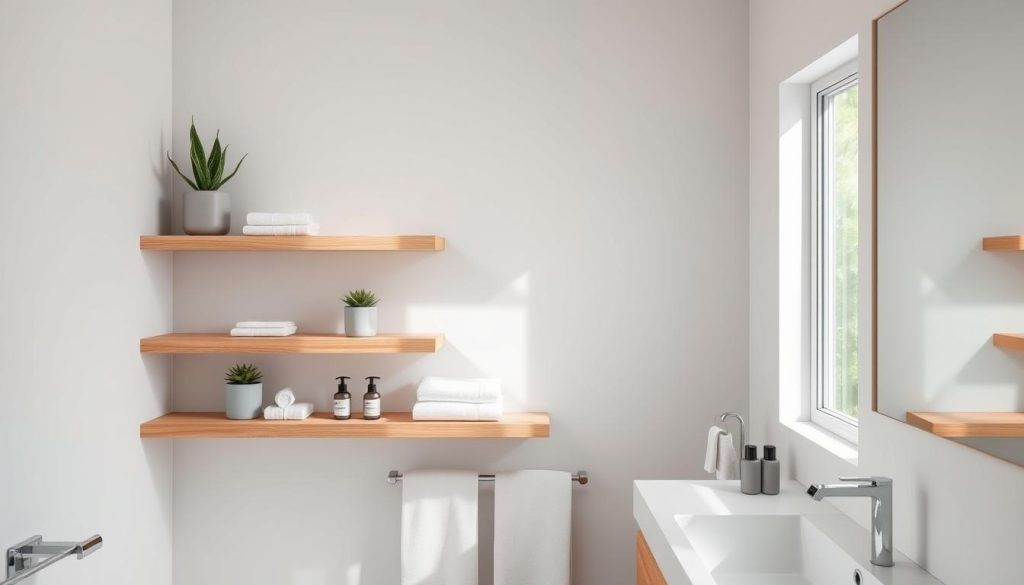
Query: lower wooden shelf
x=182 y=343
x=398 y=425
x=969 y=424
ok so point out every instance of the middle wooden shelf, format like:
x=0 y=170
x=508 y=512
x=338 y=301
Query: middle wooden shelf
x=204 y=343
x=398 y=425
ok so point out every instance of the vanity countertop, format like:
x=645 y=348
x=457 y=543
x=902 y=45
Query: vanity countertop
x=658 y=505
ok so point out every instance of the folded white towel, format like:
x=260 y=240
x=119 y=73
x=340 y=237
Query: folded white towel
x=532 y=526
x=721 y=456
x=297 y=411
x=284 y=397
x=439 y=528
x=456 y=411
x=262 y=218
x=263 y=331
x=259 y=324
x=476 y=390
x=281 y=230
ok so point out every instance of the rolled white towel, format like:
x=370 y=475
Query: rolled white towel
x=263 y=331
x=297 y=411
x=456 y=411
x=264 y=218
x=284 y=397
x=281 y=230
x=474 y=391
x=260 y=324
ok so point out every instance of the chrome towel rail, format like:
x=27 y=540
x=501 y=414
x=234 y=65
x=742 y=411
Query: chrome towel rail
x=394 y=477
x=23 y=559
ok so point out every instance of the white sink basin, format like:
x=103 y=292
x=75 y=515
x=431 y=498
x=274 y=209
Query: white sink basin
x=768 y=550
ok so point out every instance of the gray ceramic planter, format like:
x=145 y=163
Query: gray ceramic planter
x=243 y=401
x=361 y=321
x=206 y=213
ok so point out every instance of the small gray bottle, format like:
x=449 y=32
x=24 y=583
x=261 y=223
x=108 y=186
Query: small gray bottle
x=769 y=472
x=750 y=471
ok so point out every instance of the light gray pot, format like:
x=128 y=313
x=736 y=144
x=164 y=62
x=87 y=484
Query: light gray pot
x=207 y=213
x=361 y=321
x=243 y=401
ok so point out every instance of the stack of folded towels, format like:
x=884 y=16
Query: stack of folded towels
x=280 y=224
x=453 y=399
x=285 y=407
x=264 y=329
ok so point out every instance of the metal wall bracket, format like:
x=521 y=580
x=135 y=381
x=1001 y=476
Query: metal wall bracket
x=33 y=554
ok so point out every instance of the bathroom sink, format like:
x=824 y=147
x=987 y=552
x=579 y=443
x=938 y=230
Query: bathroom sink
x=768 y=549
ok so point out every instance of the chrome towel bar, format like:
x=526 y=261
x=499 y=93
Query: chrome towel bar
x=23 y=558
x=394 y=477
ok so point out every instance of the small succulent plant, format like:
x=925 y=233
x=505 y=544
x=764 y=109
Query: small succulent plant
x=244 y=374
x=208 y=173
x=360 y=298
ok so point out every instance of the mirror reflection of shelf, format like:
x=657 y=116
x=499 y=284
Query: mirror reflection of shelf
x=1003 y=244
x=969 y=424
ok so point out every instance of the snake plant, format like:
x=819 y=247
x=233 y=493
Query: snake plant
x=207 y=172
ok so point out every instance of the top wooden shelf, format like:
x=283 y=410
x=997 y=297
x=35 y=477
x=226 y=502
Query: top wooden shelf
x=1003 y=243
x=292 y=243
x=969 y=424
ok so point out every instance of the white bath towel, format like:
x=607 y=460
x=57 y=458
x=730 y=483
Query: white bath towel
x=532 y=525
x=284 y=397
x=263 y=331
x=721 y=456
x=475 y=390
x=297 y=411
x=439 y=528
x=281 y=230
x=263 y=218
x=258 y=324
x=456 y=411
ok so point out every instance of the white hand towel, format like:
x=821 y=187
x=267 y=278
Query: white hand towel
x=456 y=411
x=711 y=457
x=281 y=230
x=476 y=390
x=263 y=218
x=728 y=466
x=259 y=324
x=532 y=525
x=297 y=411
x=439 y=528
x=263 y=331
x=284 y=397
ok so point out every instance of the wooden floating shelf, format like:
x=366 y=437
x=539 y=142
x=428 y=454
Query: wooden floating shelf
x=292 y=243
x=1013 y=341
x=397 y=425
x=179 y=343
x=969 y=424
x=1003 y=243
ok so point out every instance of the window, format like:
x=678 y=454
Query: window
x=834 y=252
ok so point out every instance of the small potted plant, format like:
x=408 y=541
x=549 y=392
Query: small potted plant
x=243 y=394
x=206 y=209
x=360 y=313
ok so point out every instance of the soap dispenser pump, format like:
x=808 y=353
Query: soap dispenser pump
x=371 y=400
x=342 y=400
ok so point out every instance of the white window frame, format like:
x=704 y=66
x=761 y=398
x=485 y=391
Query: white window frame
x=822 y=89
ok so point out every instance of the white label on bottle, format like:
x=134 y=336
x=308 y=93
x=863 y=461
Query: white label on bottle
x=371 y=407
x=343 y=407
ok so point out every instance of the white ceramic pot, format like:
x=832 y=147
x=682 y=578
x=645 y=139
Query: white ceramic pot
x=361 y=321
x=243 y=401
x=206 y=213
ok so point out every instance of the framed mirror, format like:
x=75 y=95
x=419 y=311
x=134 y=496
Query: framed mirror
x=948 y=169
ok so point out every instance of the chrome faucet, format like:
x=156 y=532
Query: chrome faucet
x=879 y=489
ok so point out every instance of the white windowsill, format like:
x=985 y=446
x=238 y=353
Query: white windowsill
x=828 y=441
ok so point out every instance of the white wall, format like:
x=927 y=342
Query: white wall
x=955 y=507
x=587 y=163
x=84 y=122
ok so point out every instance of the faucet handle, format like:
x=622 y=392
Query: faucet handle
x=872 y=480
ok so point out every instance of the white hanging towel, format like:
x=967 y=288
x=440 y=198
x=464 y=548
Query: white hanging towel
x=532 y=524
x=721 y=456
x=439 y=528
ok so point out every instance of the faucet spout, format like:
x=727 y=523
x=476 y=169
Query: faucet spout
x=879 y=489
